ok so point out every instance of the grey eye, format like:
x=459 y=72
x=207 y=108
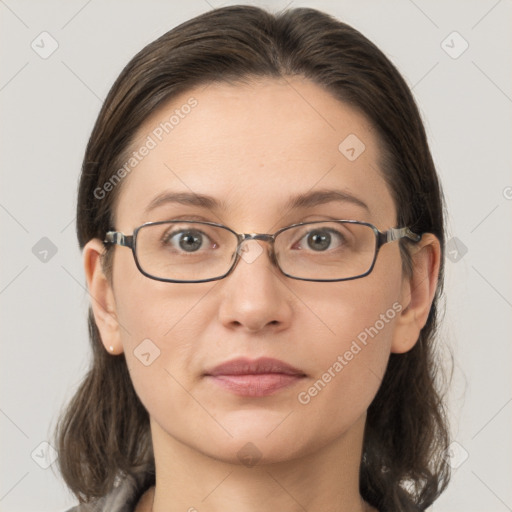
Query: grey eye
x=319 y=240
x=322 y=239
x=188 y=241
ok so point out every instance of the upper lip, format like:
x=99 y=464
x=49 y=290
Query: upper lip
x=244 y=366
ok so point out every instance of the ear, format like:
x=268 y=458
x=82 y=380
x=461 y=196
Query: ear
x=417 y=293
x=102 y=297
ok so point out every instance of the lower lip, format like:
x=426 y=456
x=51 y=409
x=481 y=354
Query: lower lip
x=263 y=384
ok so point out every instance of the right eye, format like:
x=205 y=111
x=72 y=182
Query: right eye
x=187 y=240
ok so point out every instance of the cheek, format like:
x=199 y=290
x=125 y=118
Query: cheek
x=160 y=325
x=352 y=346
x=152 y=309
x=351 y=356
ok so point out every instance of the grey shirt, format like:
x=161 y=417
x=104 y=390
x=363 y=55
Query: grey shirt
x=123 y=497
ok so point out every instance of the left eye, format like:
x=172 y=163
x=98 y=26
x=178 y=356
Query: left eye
x=321 y=239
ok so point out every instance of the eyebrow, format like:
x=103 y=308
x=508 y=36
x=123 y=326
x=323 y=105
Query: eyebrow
x=185 y=198
x=318 y=197
x=300 y=201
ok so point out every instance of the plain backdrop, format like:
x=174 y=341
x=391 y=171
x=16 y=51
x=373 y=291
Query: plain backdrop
x=456 y=57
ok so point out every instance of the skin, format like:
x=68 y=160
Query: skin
x=253 y=146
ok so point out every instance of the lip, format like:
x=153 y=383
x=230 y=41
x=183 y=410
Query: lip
x=245 y=366
x=254 y=378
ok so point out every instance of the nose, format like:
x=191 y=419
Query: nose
x=254 y=295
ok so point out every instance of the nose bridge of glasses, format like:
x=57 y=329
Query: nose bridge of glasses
x=264 y=237
x=257 y=236
x=250 y=255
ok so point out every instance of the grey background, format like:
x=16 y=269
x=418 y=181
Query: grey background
x=48 y=107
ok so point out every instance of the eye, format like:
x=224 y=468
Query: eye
x=189 y=240
x=322 y=239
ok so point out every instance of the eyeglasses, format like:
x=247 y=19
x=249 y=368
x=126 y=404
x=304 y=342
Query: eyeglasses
x=184 y=251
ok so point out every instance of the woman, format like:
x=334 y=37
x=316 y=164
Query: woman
x=262 y=230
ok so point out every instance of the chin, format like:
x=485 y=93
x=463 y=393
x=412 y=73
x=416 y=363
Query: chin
x=253 y=452
x=255 y=443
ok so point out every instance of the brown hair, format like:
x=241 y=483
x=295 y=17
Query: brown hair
x=104 y=431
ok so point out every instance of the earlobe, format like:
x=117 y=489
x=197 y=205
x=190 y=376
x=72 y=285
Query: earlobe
x=418 y=291
x=102 y=297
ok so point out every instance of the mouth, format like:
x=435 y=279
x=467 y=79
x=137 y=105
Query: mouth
x=254 y=378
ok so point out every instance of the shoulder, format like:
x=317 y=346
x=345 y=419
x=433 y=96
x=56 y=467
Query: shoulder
x=125 y=494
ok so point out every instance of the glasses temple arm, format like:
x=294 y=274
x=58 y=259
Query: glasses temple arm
x=118 y=238
x=398 y=233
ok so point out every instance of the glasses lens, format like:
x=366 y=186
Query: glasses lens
x=326 y=250
x=185 y=251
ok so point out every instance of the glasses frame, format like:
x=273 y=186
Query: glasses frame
x=381 y=238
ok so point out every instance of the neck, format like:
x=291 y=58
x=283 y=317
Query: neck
x=325 y=479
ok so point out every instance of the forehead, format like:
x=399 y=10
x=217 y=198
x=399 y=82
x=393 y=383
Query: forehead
x=252 y=146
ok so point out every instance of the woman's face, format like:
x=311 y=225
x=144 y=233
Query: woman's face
x=253 y=148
